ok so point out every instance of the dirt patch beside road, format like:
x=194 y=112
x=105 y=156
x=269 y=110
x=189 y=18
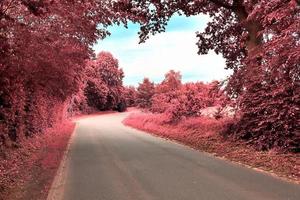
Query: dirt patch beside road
x=27 y=171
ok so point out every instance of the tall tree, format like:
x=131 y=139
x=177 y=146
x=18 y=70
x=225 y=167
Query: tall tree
x=145 y=91
x=172 y=81
x=260 y=42
x=104 y=87
x=130 y=95
x=43 y=48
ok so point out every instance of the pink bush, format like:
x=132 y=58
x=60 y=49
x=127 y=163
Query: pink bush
x=101 y=88
x=145 y=91
x=179 y=100
x=42 y=61
x=189 y=129
x=130 y=96
x=42 y=153
x=260 y=43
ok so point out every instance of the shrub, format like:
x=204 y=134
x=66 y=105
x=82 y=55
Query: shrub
x=145 y=91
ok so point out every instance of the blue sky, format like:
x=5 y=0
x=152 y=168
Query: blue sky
x=174 y=49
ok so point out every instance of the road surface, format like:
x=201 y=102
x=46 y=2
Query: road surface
x=108 y=161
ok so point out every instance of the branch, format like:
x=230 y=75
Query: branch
x=221 y=3
x=9 y=6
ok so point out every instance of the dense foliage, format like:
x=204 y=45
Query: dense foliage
x=43 y=49
x=260 y=41
x=130 y=96
x=44 y=45
x=101 y=88
x=145 y=91
x=178 y=100
x=104 y=83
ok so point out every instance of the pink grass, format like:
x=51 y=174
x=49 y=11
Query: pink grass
x=204 y=134
x=28 y=171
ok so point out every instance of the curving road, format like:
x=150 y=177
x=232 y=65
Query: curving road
x=108 y=161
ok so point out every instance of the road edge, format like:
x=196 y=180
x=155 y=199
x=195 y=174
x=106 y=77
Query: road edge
x=224 y=158
x=57 y=186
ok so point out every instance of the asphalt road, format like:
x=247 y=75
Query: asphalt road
x=108 y=161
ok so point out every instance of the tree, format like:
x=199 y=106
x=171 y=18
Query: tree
x=112 y=76
x=96 y=94
x=104 y=89
x=145 y=91
x=77 y=103
x=172 y=81
x=130 y=95
x=260 y=42
x=166 y=91
x=187 y=100
x=44 y=45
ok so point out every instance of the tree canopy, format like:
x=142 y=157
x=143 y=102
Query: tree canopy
x=260 y=41
x=44 y=46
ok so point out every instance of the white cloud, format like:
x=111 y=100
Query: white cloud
x=171 y=50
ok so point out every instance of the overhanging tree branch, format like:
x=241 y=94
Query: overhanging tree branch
x=222 y=4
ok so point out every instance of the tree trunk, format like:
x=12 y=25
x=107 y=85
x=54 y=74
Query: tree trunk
x=252 y=27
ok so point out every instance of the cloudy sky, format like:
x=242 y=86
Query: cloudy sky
x=174 y=49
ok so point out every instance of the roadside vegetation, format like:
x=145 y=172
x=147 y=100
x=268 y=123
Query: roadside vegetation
x=49 y=72
x=201 y=115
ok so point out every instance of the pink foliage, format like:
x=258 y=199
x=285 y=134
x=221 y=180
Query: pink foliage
x=205 y=134
x=44 y=46
x=101 y=88
x=35 y=163
x=130 y=96
x=145 y=91
x=179 y=100
x=260 y=43
x=190 y=129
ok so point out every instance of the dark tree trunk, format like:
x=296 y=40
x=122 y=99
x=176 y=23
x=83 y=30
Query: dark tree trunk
x=252 y=27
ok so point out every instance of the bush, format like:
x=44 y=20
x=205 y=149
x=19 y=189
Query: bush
x=187 y=100
x=121 y=107
x=269 y=117
x=145 y=91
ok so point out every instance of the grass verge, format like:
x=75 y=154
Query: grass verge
x=204 y=134
x=27 y=171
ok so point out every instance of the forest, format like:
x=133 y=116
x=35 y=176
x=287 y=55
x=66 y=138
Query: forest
x=49 y=72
